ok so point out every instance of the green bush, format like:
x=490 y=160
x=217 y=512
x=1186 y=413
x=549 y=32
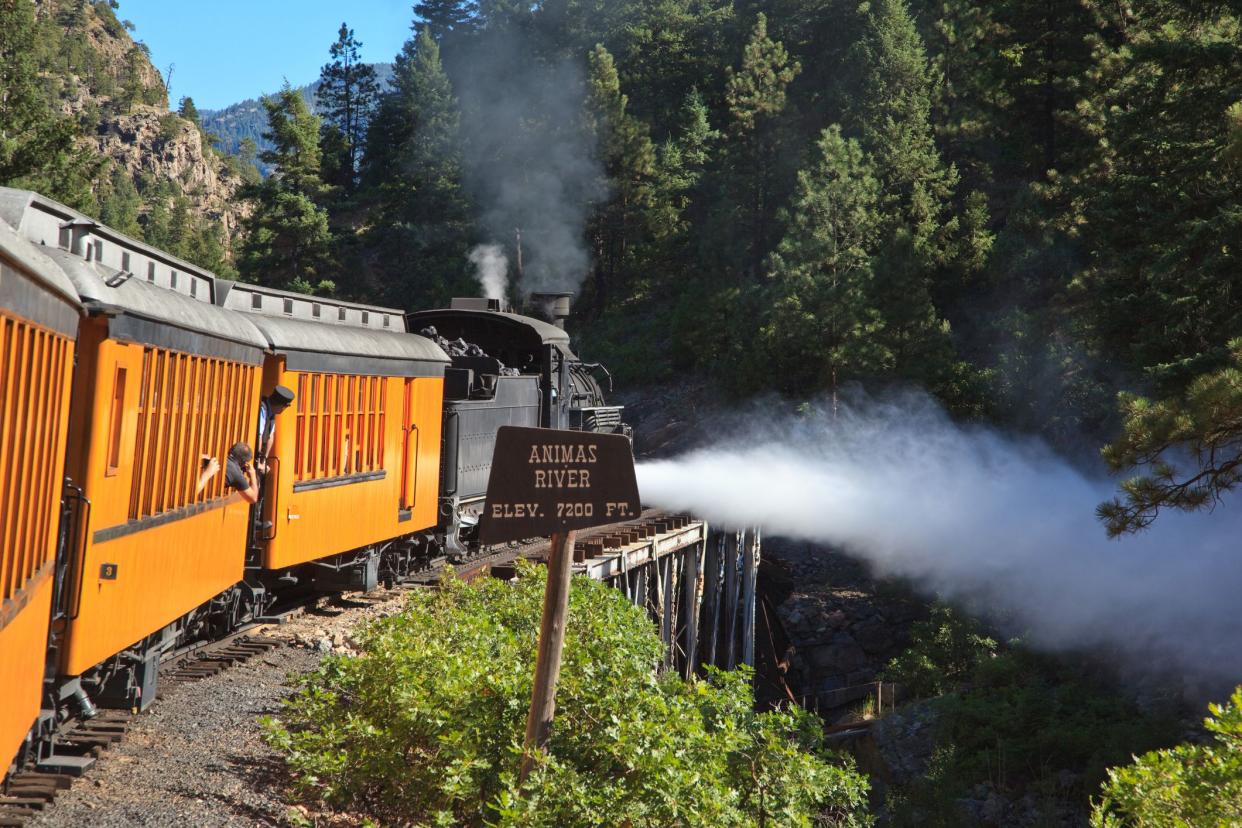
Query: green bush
x=426 y=725
x=1011 y=717
x=944 y=650
x=1189 y=785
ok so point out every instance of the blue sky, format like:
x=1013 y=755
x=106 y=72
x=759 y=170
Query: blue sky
x=225 y=51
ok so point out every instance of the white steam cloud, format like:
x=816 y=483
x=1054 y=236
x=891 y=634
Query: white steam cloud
x=998 y=523
x=491 y=268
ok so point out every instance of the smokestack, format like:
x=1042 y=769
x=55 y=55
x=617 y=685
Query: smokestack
x=555 y=306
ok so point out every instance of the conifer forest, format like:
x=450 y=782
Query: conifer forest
x=1028 y=210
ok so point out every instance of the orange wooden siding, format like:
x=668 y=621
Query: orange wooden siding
x=171 y=549
x=36 y=368
x=343 y=429
x=23 y=649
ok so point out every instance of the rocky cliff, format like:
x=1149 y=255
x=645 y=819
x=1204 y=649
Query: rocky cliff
x=97 y=73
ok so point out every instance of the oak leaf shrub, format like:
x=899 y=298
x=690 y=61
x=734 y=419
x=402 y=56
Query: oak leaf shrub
x=425 y=725
x=1196 y=785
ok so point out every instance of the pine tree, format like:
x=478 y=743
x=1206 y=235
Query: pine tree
x=820 y=330
x=205 y=248
x=891 y=115
x=670 y=46
x=682 y=164
x=120 y=203
x=413 y=166
x=37 y=146
x=186 y=109
x=247 y=156
x=180 y=228
x=755 y=93
x=966 y=60
x=346 y=96
x=1201 y=427
x=288 y=243
x=629 y=157
x=1162 y=206
x=442 y=18
x=155 y=226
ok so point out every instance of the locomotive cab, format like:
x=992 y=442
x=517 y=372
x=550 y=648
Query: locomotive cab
x=506 y=369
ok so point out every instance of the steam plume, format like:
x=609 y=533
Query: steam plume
x=996 y=522
x=491 y=268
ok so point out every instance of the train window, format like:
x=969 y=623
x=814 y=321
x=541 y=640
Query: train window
x=124 y=260
x=115 y=419
x=340 y=314
x=194 y=287
x=31 y=404
x=289 y=306
x=188 y=406
x=150 y=271
x=366 y=317
x=256 y=300
x=387 y=321
x=339 y=426
x=315 y=310
x=173 y=280
x=98 y=251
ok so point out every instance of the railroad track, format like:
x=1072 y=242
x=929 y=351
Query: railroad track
x=29 y=792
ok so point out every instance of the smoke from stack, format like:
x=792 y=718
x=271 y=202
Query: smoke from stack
x=1000 y=524
x=528 y=160
x=491 y=268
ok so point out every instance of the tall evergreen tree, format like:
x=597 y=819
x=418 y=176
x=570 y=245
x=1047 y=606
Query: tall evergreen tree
x=669 y=46
x=37 y=145
x=821 y=329
x=347 y=96
x=924 y=248
x=891 y=116
x=683 y=162
x=288 y=243
x=120 y=203
x=755 y=93
x=1162 y=205
x=186 y=109
x=421 y=238
x=442 y=18
x=629 y=158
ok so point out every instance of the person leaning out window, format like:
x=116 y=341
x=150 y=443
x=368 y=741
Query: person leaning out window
x=239 y=473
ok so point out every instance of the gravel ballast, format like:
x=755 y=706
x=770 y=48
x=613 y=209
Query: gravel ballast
x=197 y=756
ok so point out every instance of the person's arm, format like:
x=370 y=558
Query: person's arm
x=250 y=494
x=210 y=466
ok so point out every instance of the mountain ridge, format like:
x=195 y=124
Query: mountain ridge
x=248 y=118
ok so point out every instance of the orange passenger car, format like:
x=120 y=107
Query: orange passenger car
x=357 y=455
x=121 y=369
x=38 y=325
x=162 y=380
x=163 y=377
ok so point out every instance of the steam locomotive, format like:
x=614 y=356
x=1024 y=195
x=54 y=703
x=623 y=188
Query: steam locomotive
x=122 y=366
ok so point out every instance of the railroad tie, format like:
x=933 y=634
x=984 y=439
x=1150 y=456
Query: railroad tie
x=38 y=779
x=32 y=803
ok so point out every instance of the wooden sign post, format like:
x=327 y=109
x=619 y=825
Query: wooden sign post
x=551 y=481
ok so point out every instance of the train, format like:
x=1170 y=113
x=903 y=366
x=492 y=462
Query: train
x=125 y=370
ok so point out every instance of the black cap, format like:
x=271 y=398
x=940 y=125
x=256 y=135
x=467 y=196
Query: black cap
x=282 y=395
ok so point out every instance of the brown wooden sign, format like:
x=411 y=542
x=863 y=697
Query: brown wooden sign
x=546 y=480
